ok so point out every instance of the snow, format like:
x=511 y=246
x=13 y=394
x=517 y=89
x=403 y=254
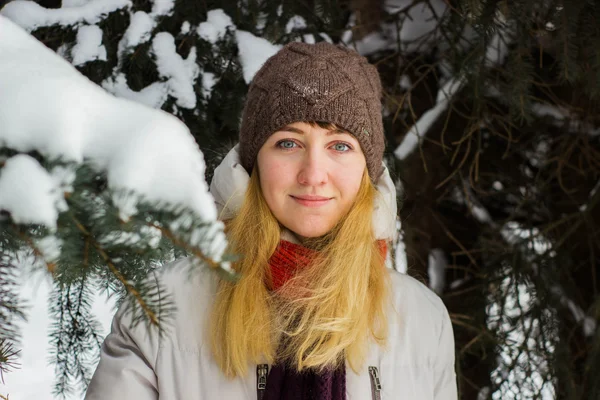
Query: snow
x=46 y=105
x=295 y=23
x=542 y=110
x=405 y=82
x=594 y=189
x=325 y=36
x=181 y=73
x=29 y=15
x=449 y=89
x=138 y=31
x=458 y=283
x=478 y=211
x=415 y=33
x=89 y=45
x=147 y=151
x=153 y=95
x=28 y=192
x=514 y=301
x=560 y=115
x=49 y=247
x=162 y=7
x=418 y=130
x=514 y=233
x=73 y=3
x=588 y=324
x=215 y=27
x=142 y=24
x=411 y=140
x=436 y=270
x=64 y=178
x=346 y=37
x=261 y=21
x=208 y=82
x=484 y=393
x=148 y=235
x=420 y=21
x=369 y=44
x=308 y=38
x=185 y=28
x=519 y=364
x=400 y=257
x=497 y=49
x=254 y=52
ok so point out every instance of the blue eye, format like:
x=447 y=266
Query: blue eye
x=286 y=144
x=342 y=147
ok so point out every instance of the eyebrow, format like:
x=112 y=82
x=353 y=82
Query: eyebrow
x=301 y=132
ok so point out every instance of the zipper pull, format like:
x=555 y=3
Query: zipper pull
x=261 y=375
x=375 y=378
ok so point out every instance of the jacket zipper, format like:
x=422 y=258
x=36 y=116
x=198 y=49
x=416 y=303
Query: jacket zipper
x=262 y=371
x=375 y=383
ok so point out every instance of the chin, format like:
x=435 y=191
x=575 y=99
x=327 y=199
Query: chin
x=310 y=231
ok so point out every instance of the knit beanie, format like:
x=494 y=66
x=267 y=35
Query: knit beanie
x=315 y=82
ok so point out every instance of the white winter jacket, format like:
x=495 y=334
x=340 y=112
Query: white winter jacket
x=138 y=364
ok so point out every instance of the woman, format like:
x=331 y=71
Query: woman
x=310 y=207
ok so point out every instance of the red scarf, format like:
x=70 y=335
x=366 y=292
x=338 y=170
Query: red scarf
x=290 y=257
x=285 y=383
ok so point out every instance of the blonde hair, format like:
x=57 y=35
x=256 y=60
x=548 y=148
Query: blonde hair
x=324 y=315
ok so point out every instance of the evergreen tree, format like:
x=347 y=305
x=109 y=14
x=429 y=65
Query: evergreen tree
x=491 y=118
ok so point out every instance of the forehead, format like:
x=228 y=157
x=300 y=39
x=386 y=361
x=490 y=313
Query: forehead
x=302 y=127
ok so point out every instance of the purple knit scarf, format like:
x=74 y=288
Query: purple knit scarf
x=285 y=383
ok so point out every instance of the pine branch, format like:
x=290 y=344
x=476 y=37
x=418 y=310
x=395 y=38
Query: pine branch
x=180 y=243
x=10 y=307
x=130 y=288
x=76 y=335
x=8 y=358
x=50 y=266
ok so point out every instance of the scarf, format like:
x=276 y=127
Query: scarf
x=283 y=382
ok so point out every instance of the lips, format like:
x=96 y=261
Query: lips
x=311 y=197
x=312 y=201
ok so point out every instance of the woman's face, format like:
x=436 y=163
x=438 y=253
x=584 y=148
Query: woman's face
x=310 y=176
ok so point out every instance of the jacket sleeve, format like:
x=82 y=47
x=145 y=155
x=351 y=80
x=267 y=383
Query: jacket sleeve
x=127 y=361
x=445 y=375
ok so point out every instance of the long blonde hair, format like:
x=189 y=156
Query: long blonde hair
x=326 y=314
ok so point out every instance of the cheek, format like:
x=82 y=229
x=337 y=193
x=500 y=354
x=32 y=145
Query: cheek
x=275 y=179
x=349 y=182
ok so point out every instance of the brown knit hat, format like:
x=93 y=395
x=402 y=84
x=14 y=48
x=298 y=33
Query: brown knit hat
x=315 y=82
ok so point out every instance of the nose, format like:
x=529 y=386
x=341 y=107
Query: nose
x=313 y=169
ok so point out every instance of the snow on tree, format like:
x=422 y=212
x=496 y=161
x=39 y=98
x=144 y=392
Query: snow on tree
x=100 y=189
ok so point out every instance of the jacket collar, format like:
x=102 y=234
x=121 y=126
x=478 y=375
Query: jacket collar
x=230 y=181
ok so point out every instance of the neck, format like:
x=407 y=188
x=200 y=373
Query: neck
x=313 y=243
x=290 y=236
